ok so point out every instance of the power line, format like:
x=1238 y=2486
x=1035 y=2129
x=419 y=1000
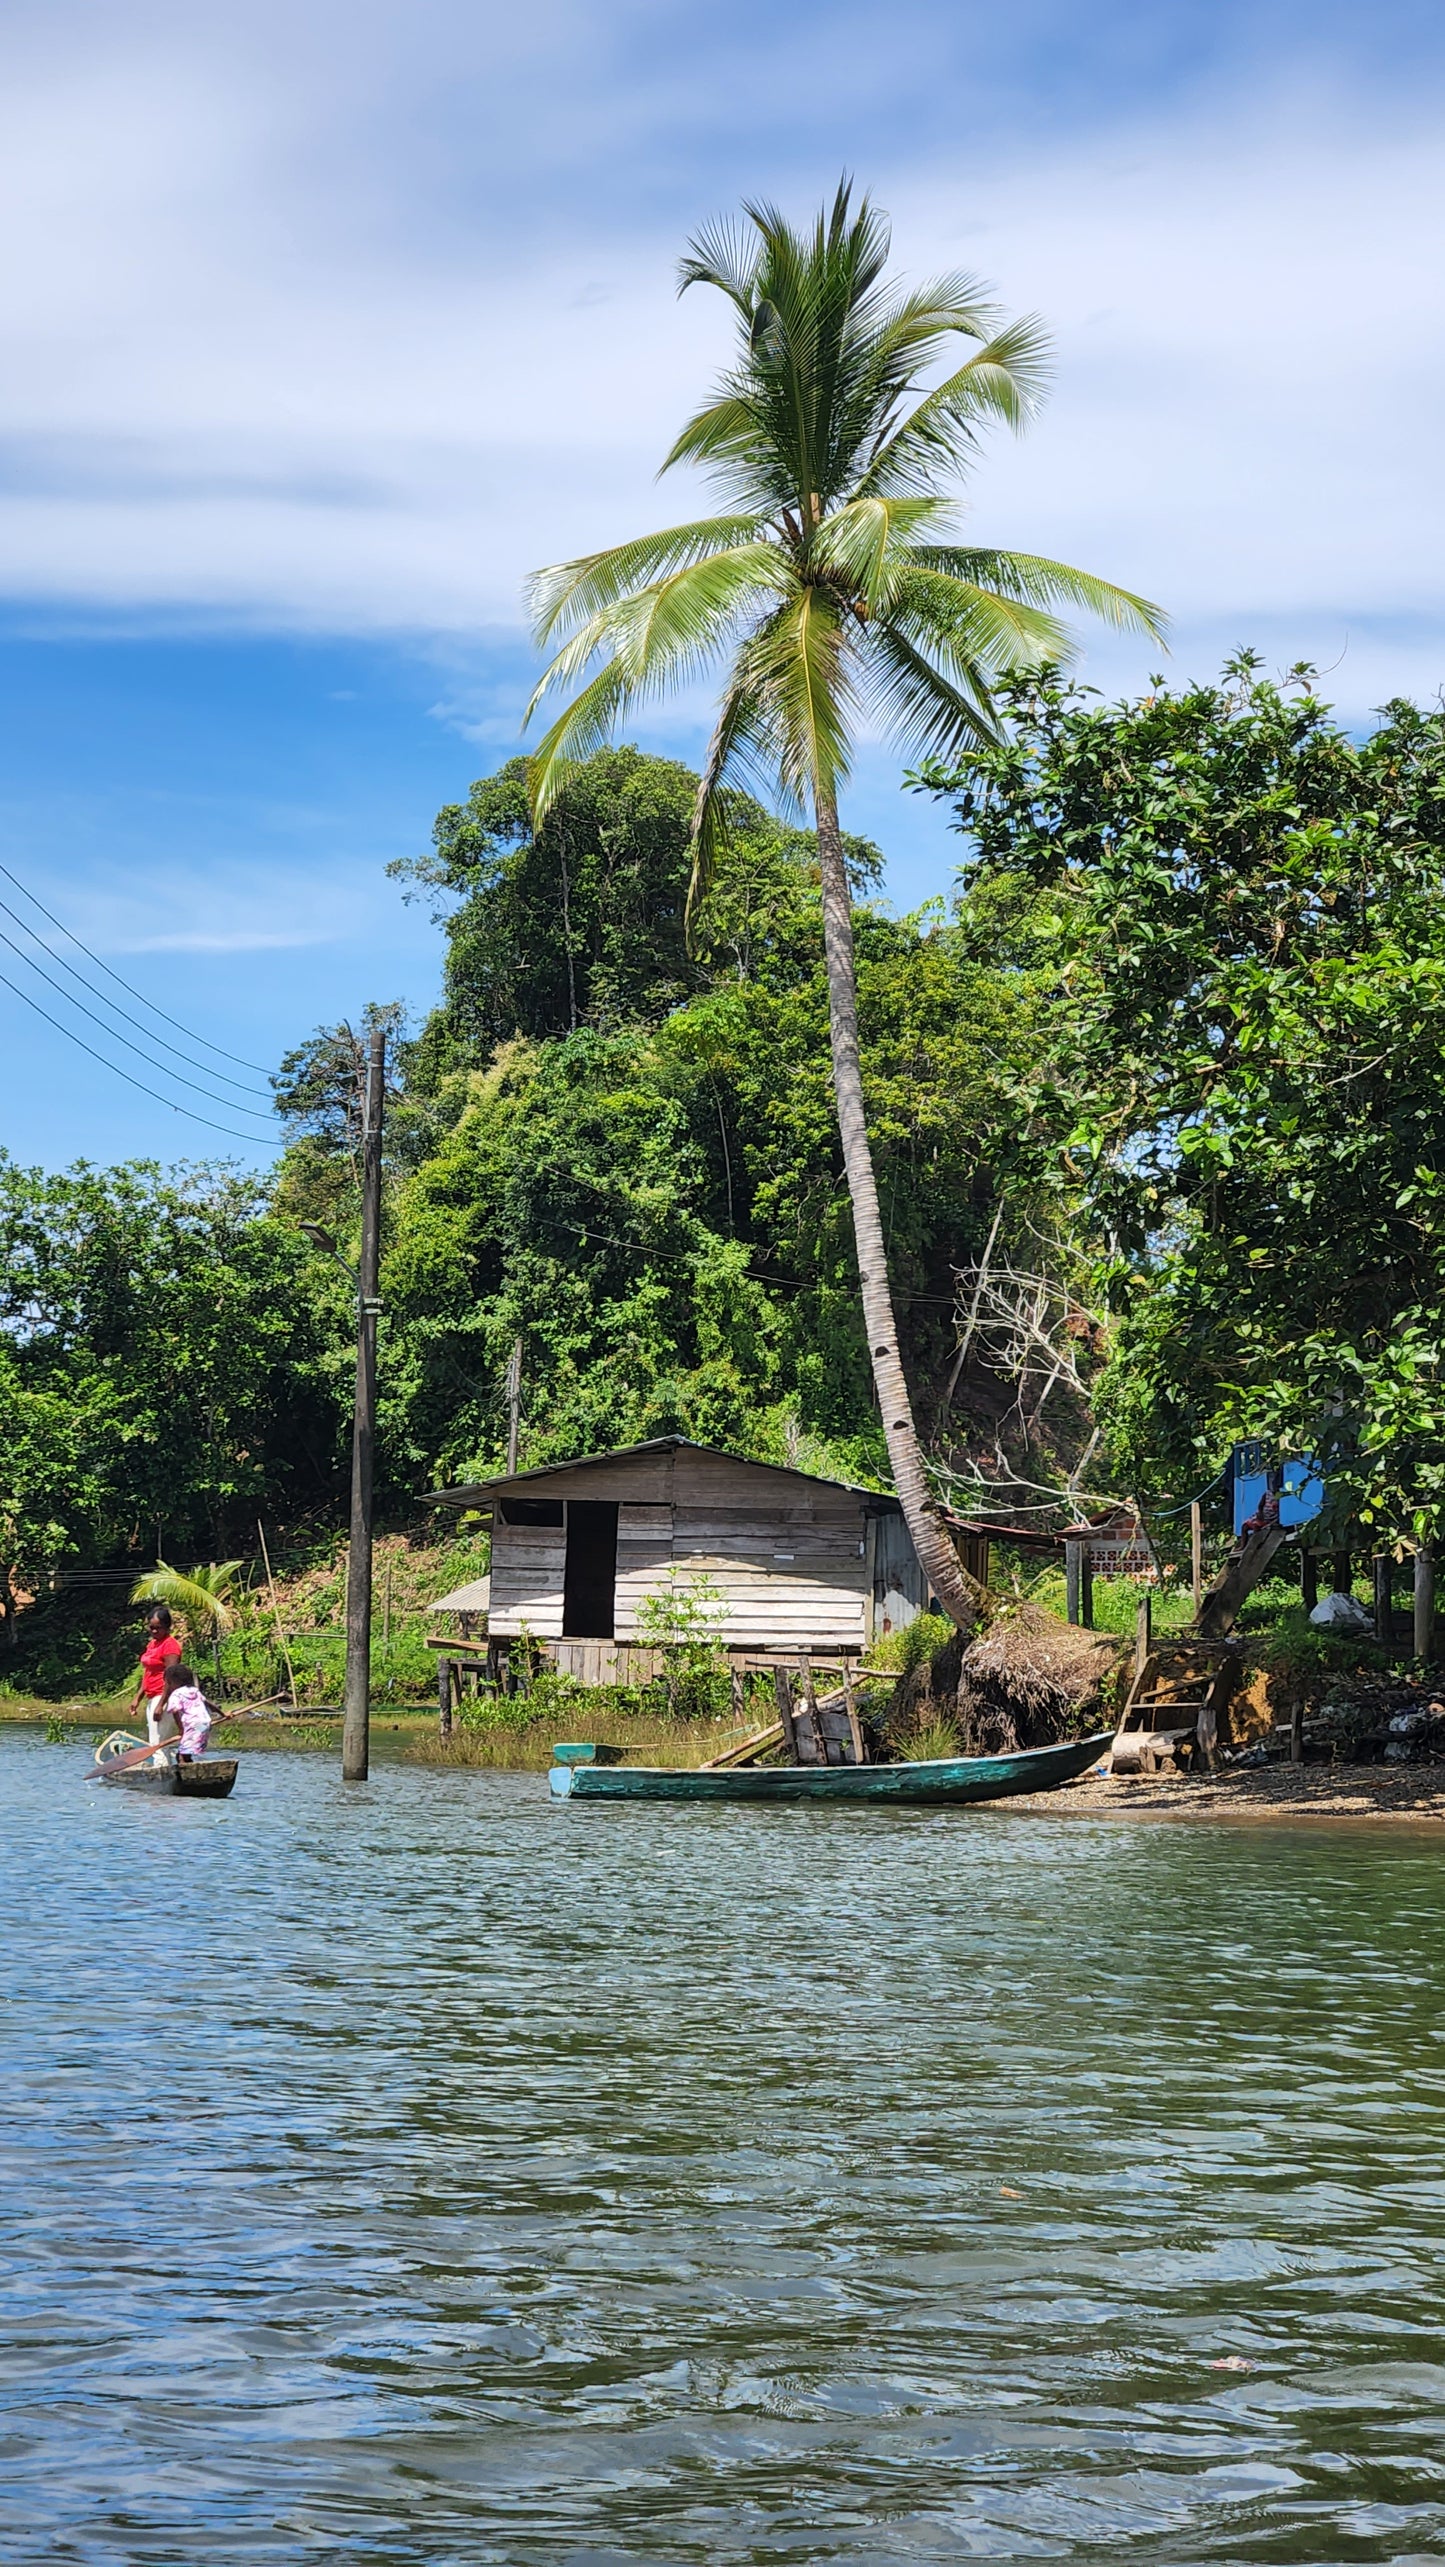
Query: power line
x=121 y=983
x=166 y=1072
x=189 y=1111
x=241 y=1085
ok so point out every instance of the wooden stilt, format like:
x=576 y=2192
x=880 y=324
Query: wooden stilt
x=1384 y=1568
x=1425 y=1602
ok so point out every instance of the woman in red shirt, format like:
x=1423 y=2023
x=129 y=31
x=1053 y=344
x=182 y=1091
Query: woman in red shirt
x=156 y=1657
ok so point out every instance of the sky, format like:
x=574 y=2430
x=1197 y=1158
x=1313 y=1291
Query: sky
x=322 y=326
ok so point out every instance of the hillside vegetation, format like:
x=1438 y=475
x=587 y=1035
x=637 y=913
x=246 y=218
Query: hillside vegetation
x=1156 y=1110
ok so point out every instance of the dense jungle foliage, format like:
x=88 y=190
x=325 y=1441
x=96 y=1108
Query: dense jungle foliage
x=1162 y=1086
x=1229 y=915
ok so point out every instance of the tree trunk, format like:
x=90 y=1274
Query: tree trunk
x=936 y=1554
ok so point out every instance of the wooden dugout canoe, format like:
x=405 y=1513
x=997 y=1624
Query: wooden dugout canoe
x=122 y=1763
x=943 y=1781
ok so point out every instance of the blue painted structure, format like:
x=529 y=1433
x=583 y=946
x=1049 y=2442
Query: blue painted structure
x=1300 y=1483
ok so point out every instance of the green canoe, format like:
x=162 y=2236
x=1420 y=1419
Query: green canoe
x=942 y=1779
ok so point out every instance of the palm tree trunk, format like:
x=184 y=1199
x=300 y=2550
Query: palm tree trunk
x=936 y=1554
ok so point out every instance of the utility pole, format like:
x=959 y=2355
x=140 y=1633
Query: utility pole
x=514 y=1406
x=356 y=1728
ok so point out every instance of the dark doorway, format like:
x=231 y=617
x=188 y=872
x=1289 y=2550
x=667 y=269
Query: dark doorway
x=590 y=1586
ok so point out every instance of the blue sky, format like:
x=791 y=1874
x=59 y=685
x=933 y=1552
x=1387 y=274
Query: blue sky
x=323 y=325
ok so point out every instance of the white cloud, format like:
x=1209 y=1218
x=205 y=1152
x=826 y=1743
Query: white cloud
x=257 y=368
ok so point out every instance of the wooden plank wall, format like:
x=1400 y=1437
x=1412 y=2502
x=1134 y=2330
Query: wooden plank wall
x=528 y=1561
x=898 y=1587
x=786 y=1555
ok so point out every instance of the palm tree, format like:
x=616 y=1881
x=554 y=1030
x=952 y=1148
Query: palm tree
x=203 y=1596
x=836 y=588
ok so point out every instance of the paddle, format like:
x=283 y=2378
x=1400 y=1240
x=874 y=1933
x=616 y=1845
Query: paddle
x=133 y=1756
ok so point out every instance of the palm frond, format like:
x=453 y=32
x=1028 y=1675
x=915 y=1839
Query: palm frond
x=1003 y=382
x=976 y=628
x=669 y=628
x=738 y=721
x=930 y=713
x=584 y=727
x=725 y=431
x=203 y=1596
x=665 y=631
x=1038 y=581
x=561 y=596
x=796 y=668
x=721 y=254
x=862 y=543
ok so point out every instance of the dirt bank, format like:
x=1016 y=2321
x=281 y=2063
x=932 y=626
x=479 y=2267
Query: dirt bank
x=1414 y=1792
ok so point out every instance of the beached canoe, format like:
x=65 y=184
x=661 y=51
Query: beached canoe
x=941 y=1781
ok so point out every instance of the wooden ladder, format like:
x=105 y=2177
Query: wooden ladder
x=1178 y=1693
x=1242 y=1571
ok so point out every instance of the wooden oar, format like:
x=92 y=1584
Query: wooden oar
x=133 y=1756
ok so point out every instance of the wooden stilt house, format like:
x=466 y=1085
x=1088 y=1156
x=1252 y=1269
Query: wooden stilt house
x=802 y=1567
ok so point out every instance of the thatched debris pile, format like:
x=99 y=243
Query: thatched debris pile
x=1026 y=1681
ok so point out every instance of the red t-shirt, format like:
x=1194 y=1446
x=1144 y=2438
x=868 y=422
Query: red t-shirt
x=154 y=1658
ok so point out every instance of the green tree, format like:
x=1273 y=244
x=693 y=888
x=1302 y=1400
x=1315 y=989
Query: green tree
x=164 y=1368
x=659 y=1210
x=1231 y=918
x=582 y=920
x=833 y=584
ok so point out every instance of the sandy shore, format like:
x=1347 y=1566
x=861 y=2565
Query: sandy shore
x=1414 y=1792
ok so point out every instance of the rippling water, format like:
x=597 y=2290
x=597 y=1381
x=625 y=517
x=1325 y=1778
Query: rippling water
x=425 y=2173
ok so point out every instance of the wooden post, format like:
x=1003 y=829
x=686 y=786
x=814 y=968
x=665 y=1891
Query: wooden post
x=1340 y=1572
x=1309 y=1580
x=356 y=1727
x=783 y=1692
x=855 y=1726
x=1384 y=1580
x=444 y=1697
x=1196 y=1554
x=514 y=1406
x=1079 y=1583
x=1425 y=1602
x=1143 y=1637
x=1297 y=1732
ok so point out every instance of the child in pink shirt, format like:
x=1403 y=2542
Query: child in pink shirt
x=190 y=1710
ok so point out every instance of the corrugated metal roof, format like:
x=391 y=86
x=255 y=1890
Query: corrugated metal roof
x=475 y=1598
x=470 y=1494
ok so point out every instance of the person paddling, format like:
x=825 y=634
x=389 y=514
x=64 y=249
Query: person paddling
x=156 y=1658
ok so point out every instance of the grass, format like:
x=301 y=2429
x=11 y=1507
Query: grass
x=1117 y=1601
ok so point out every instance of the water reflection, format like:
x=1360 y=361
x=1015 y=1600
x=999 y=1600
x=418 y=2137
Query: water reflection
x=426 y=2173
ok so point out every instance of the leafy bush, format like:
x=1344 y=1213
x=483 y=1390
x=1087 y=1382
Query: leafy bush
x=908 y=1648
x=682 y=1621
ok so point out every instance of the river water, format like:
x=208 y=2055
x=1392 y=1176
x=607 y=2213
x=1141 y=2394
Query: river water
x=423 y=2173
